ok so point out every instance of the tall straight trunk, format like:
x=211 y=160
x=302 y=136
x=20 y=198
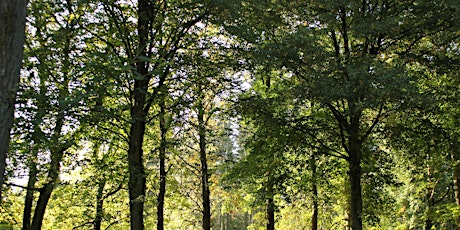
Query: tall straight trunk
x=163 y=172
x=354 y=173
x=47 y=189
x=270 y=213
x=356 y=203
x=99 y=205
x=29 y=199
x=314 y=188
x=12 y=35
x=270 y=202
x=204 y=168
x=352 y=143
x=137 y=177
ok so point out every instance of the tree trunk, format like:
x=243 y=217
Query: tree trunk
x=355 y=148
x=456 y=159
x=57 y=147
x=227 y=221
x=12 y=35
x=29 y=199
x=457 y=189
x=356 y=205
x=314 y=216
x=99 y=205
x=136 y=168
x=246 y=220
x=45 y=192
x=270 y=213
x=204 y=168
x=137 y=175
x=430 y=192
x=163 y=172
x=28 y=203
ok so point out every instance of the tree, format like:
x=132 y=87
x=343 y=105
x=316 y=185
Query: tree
x=357 y=74
x=12 y=30
x=148 y=50
x=50 y=104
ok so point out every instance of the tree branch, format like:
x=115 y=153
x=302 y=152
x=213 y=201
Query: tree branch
x=83 y=225
x=374 y=122
x=23 y=187
x=120 y=186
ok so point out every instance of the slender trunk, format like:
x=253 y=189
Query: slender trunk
x=136 y=170
x=12 y=35
x=45 y=194
x=430 y=192
x=221 y=221
x=99 y=205
x=227 y=221
x=204 y=168
x=457 y=190
x=314 y=216
x=456 y=160
x=29 y=199
x=47 y=189
x=163 y=172
x=355 y=148
x=270 y=213
x=246 y=220
x=270 y=202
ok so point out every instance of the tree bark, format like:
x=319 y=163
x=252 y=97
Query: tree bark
x=99 y=205
x=457 y=189
x=314 y=216
x=204 y=168
x=456 y=160
x=29 y=199
x=270 y=205
x=163 y=172
x=270 y=213
x=356 y=205
x=136 y=170
x=12 y=35
x=45 y=192
x=430 y=192
x=354 y=173
x=135 y=159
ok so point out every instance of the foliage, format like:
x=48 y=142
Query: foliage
x=286 y=102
